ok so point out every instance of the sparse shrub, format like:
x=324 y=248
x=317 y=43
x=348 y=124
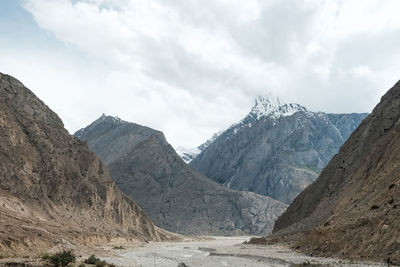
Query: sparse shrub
x=60 y=259
x=81 y=265
x=374 y=207
x=96 y=261
x=120 y=247
x=92 y=260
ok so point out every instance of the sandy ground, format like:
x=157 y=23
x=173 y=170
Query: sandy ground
x=214 y=251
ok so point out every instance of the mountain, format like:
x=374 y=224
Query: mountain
x=175 y=196
x=188 y=154
x=277 y=150
x=53 y=190
x=353 y=209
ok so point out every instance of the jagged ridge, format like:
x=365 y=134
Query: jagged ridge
x=277 y=149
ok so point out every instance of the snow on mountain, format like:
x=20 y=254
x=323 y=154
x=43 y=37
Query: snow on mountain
x=264 y=106
x=188 y=154
x=276 y=149
x=267 y=106
x=270 y=105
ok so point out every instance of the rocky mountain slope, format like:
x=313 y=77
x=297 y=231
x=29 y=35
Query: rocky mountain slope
x=53 y=190
x=277 y=150
x=353 y=209
x=175 y=196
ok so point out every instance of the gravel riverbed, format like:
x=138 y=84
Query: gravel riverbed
x=217 y=251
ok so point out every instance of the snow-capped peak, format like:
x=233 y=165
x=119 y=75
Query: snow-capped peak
x=270 y=105
x=264 y=105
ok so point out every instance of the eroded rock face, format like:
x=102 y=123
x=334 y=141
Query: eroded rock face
x=175 y=196
x=352 y=209
x=277 y=150
x=53 y=189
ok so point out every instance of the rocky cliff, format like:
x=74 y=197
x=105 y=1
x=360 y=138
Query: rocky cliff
x=277 y=150
x=353 y=209
x=175 y=196
x=53 y=190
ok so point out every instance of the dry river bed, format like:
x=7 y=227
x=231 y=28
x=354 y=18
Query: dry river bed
x=215 y=251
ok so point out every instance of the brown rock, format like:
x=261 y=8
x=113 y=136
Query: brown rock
x=351 y=210
x=53 y=189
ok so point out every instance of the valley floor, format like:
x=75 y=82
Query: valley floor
x=215 y=251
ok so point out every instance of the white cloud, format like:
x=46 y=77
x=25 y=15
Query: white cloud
x=191 y=67
x=362 y=71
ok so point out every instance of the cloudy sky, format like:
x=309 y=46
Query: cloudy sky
x=193 y=67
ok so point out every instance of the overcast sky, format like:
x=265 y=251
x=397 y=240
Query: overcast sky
x=193 y=67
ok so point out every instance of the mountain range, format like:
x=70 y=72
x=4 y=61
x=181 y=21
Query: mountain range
x=53 y=190
x=277 y=150
x=174 y=195
x=56 y=193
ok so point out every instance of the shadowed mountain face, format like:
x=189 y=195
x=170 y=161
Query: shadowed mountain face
x=53 y=190
x=353 y=209
x=175 y=196
x=277 y=150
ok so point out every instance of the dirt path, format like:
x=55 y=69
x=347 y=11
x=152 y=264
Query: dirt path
x=215 y=251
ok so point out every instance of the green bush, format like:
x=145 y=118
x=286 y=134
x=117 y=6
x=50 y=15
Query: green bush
x=60 y=259
x=96 y=261
x=92 y=260
x=120 y=247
